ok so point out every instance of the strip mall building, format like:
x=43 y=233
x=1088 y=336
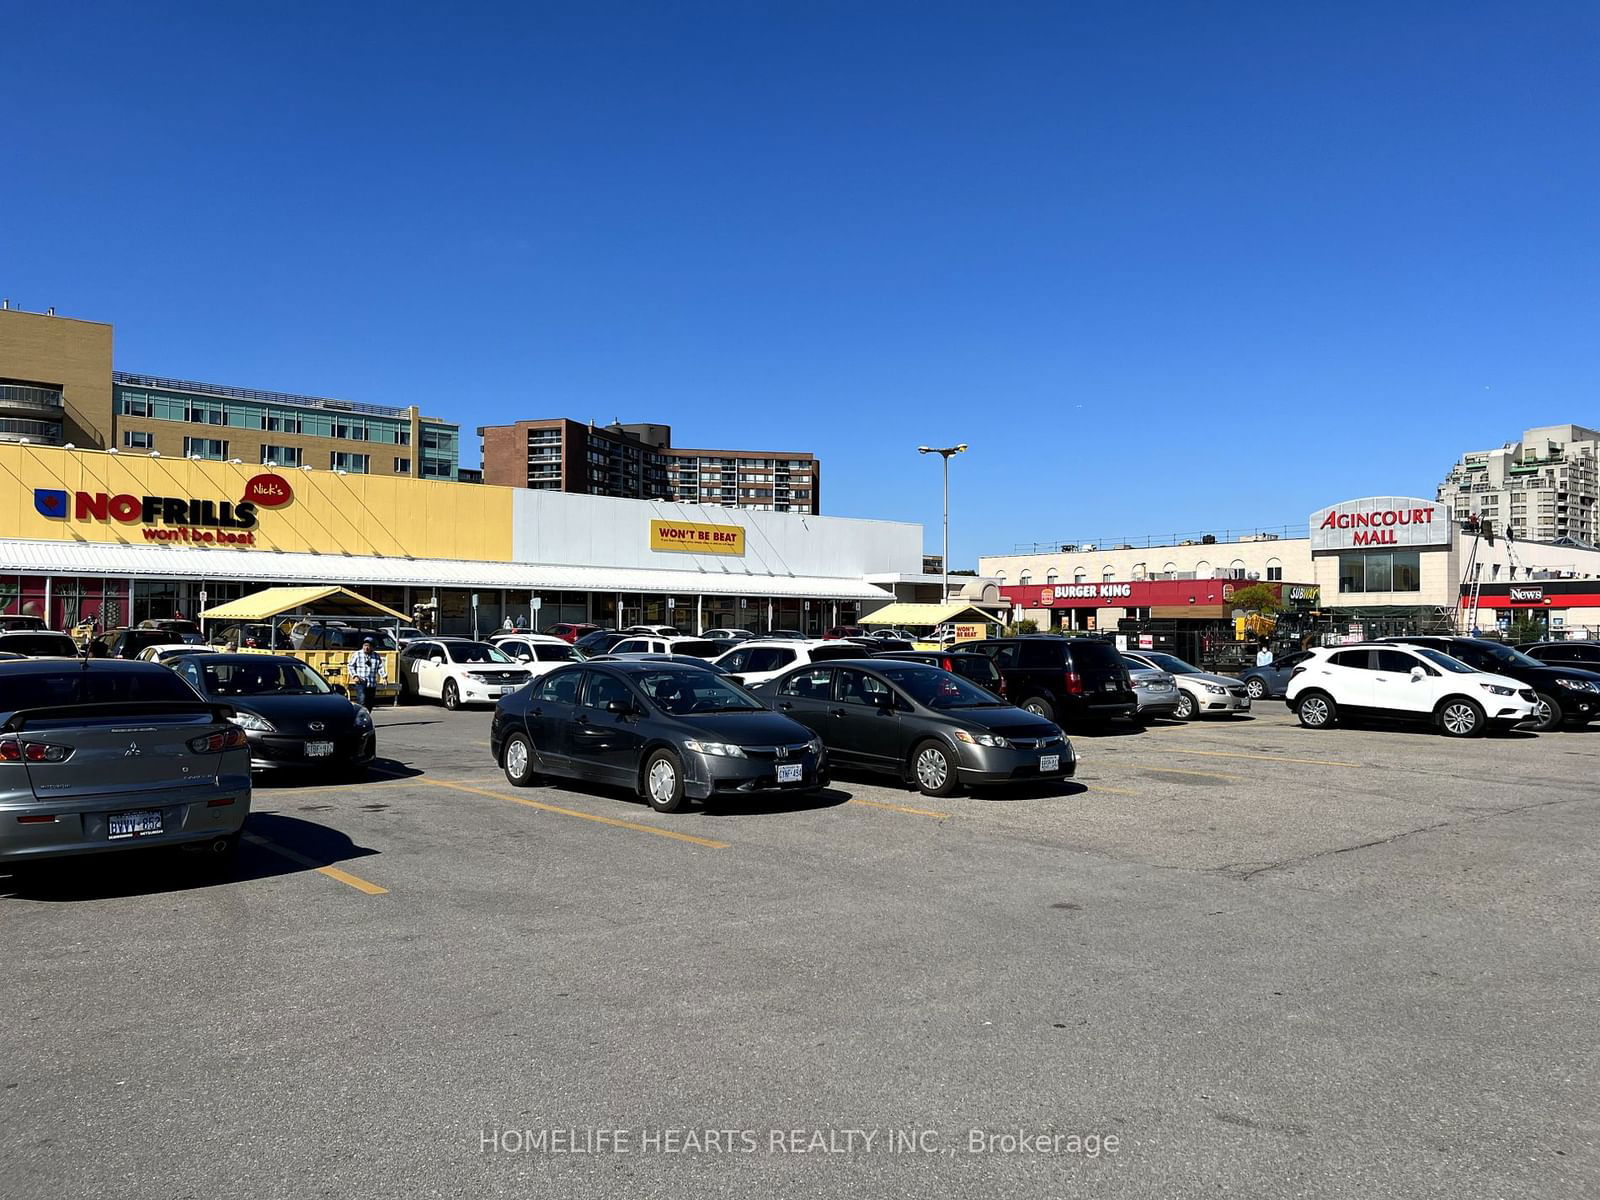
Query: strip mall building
x=120 y=538
x=1378 y=565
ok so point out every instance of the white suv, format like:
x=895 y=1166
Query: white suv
x=759 y=660
x=1406 y=683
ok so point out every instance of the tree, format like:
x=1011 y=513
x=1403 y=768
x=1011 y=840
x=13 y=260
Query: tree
x=1258 y=597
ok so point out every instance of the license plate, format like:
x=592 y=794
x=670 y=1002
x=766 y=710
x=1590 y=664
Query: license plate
x=1110 y=687
x=133 y=824
x=506 y=691
x=1050 y=762
x=318 y=749
x=791 y=773
x=1244 y=704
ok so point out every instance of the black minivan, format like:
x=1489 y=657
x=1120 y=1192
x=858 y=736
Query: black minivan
x=1065 y=680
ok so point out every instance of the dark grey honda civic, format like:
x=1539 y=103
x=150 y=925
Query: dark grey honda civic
x=671 y=732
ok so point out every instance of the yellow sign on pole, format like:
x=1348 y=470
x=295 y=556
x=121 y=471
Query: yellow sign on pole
x=688 y=537
x=971 y=633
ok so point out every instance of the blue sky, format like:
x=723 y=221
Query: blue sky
x=1163 y=266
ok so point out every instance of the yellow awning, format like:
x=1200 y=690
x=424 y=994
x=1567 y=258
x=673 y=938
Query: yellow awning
x=917 y=615
x=324 y=601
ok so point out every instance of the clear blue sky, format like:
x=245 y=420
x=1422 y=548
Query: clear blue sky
x=1164 y=266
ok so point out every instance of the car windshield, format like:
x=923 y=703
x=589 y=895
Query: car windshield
x=1506 y=656
x=1170 y=662
x=1440 y=659
x=474 y=652
x=686 y=692
x=934 y=688
x=74 y=685
x=266 y=677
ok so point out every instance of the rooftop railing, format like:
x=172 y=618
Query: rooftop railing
x=1151 y=541
x=238 y=393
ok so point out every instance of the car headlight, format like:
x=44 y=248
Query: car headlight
x=715 y=749
x=1578 y=685
x=1217 y=689
x=816 y=746
x=475 y=676
x=363 y=718
x=255 y=724
x=981 y=739
x=1496 y=690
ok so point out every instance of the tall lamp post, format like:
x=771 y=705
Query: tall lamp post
x=946 y=453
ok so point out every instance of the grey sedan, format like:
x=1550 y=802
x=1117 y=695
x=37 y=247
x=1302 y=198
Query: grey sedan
x=1270 y=680
x=1156 y=691
x=1200 y=693
x=111 y=755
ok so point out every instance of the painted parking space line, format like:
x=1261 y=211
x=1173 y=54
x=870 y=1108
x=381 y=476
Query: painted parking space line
x=901 y=808
x=1105 y=787
x=1278 y=758
x=617 y=822
x=1186 y=771
x=361 y=885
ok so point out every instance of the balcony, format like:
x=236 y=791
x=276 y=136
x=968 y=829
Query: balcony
x=27 y=400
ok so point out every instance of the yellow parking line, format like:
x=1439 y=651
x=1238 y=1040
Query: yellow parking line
x=1101 y=787
x=901 y=808
x=344 y=877
x=1306 y=762
x=582 y=816
x=1185 y=771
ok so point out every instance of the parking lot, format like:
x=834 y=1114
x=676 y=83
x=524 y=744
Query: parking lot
x=1231 y=958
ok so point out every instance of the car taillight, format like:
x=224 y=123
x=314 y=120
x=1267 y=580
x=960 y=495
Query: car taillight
x=1074 y=684
x=231 y=738
x=12 y=750
x=1295 y=672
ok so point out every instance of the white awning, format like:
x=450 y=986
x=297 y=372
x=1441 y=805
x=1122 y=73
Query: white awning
x=271 y=567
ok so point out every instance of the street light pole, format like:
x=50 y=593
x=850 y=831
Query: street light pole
x=946 y=453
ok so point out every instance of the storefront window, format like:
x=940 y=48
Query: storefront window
x=1380 y=571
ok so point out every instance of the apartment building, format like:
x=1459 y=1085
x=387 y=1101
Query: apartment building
x=639 y=461
x=1542 y=488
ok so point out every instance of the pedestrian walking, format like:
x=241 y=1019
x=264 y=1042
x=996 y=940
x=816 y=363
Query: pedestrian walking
x=365 y=672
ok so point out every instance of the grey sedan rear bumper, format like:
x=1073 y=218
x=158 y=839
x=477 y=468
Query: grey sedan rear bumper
x=33 y=830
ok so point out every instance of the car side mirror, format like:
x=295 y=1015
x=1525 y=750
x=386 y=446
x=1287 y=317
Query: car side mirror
x=620 y=707
x=1416 y=674
x=338 y=688
x=437 y=661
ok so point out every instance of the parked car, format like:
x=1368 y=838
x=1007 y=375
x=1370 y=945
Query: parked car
x=340 y=635
x=404 y=634
x=181 y=626
x=290 y=714
x=727 y=635
x=1269 y=681
x=1576 y=652
x=786 y=635
x=654 y=630
x=169 y=652
x=126 y=643
x=248 y=635
x=108 y=756
x=974 y=668
x=1065 y=680
x=1562 y=694
x=457 y=671
x=38 y=644
x=756 y=661
x=1200 y=693
x=843 y=631
x=1156 y=691
x=670 y=732
x=600 y=640
x=891 y=635
x=1401 y=682
x=570 y=631
x=927 y=726
x=669 y=644
x=687 y=660
x=21 y=621
x=536 y=651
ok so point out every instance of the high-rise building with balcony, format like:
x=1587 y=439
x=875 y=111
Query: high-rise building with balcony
x=1544 y=488
x=640 y=462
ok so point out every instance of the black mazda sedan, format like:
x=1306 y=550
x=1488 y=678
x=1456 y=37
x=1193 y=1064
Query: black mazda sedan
x=290 y=714
x=927 y=726
x=668 y=731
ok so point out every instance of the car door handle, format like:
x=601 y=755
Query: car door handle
x=836 y=712
x=580 y=719
x=536 y=712
x=786 y=706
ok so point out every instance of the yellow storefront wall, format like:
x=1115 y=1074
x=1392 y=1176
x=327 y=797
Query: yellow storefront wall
x=328 y=514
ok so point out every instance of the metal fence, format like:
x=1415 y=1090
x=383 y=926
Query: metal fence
x=1151 y=541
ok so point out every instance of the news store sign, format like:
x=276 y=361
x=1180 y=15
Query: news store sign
x=1378 y=521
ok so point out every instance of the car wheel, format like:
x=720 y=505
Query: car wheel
x=1316 y=710
x=1256 y=688
x=1039 y=707
x=1460 y=718
x=451 y=695
x=1547 y=712
x=663 y=781
x=1187 y=709
x=517 y=760
x=934 y=769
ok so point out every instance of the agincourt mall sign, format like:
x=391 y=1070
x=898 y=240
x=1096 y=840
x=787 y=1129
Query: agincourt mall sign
x=1381 y=521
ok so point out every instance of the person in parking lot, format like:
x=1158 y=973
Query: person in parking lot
x=365 y=671
x=1264 y=656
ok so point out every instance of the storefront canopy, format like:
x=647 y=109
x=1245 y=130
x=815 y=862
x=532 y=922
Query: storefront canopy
x=21 y=556
x=918 y=615
x=324 y=601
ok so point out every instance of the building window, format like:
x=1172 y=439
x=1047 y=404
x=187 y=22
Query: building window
x=1052 y=575
x=134 y=406
x=138 y=439
x=212 y=448
x=283 y=422
x=1169 y=570
x=402 y=466
x=1140 y=570
x=350 y=431
x=1024 y=579
x=1107 y=574
x=204 y=414
x=1079 y=575
x=1380 y=571
x=281 y=456
x=1274 y=570
x=356 y=464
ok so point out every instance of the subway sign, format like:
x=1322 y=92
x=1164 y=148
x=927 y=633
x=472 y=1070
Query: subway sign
x=180 y=519
x=1381 y=521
